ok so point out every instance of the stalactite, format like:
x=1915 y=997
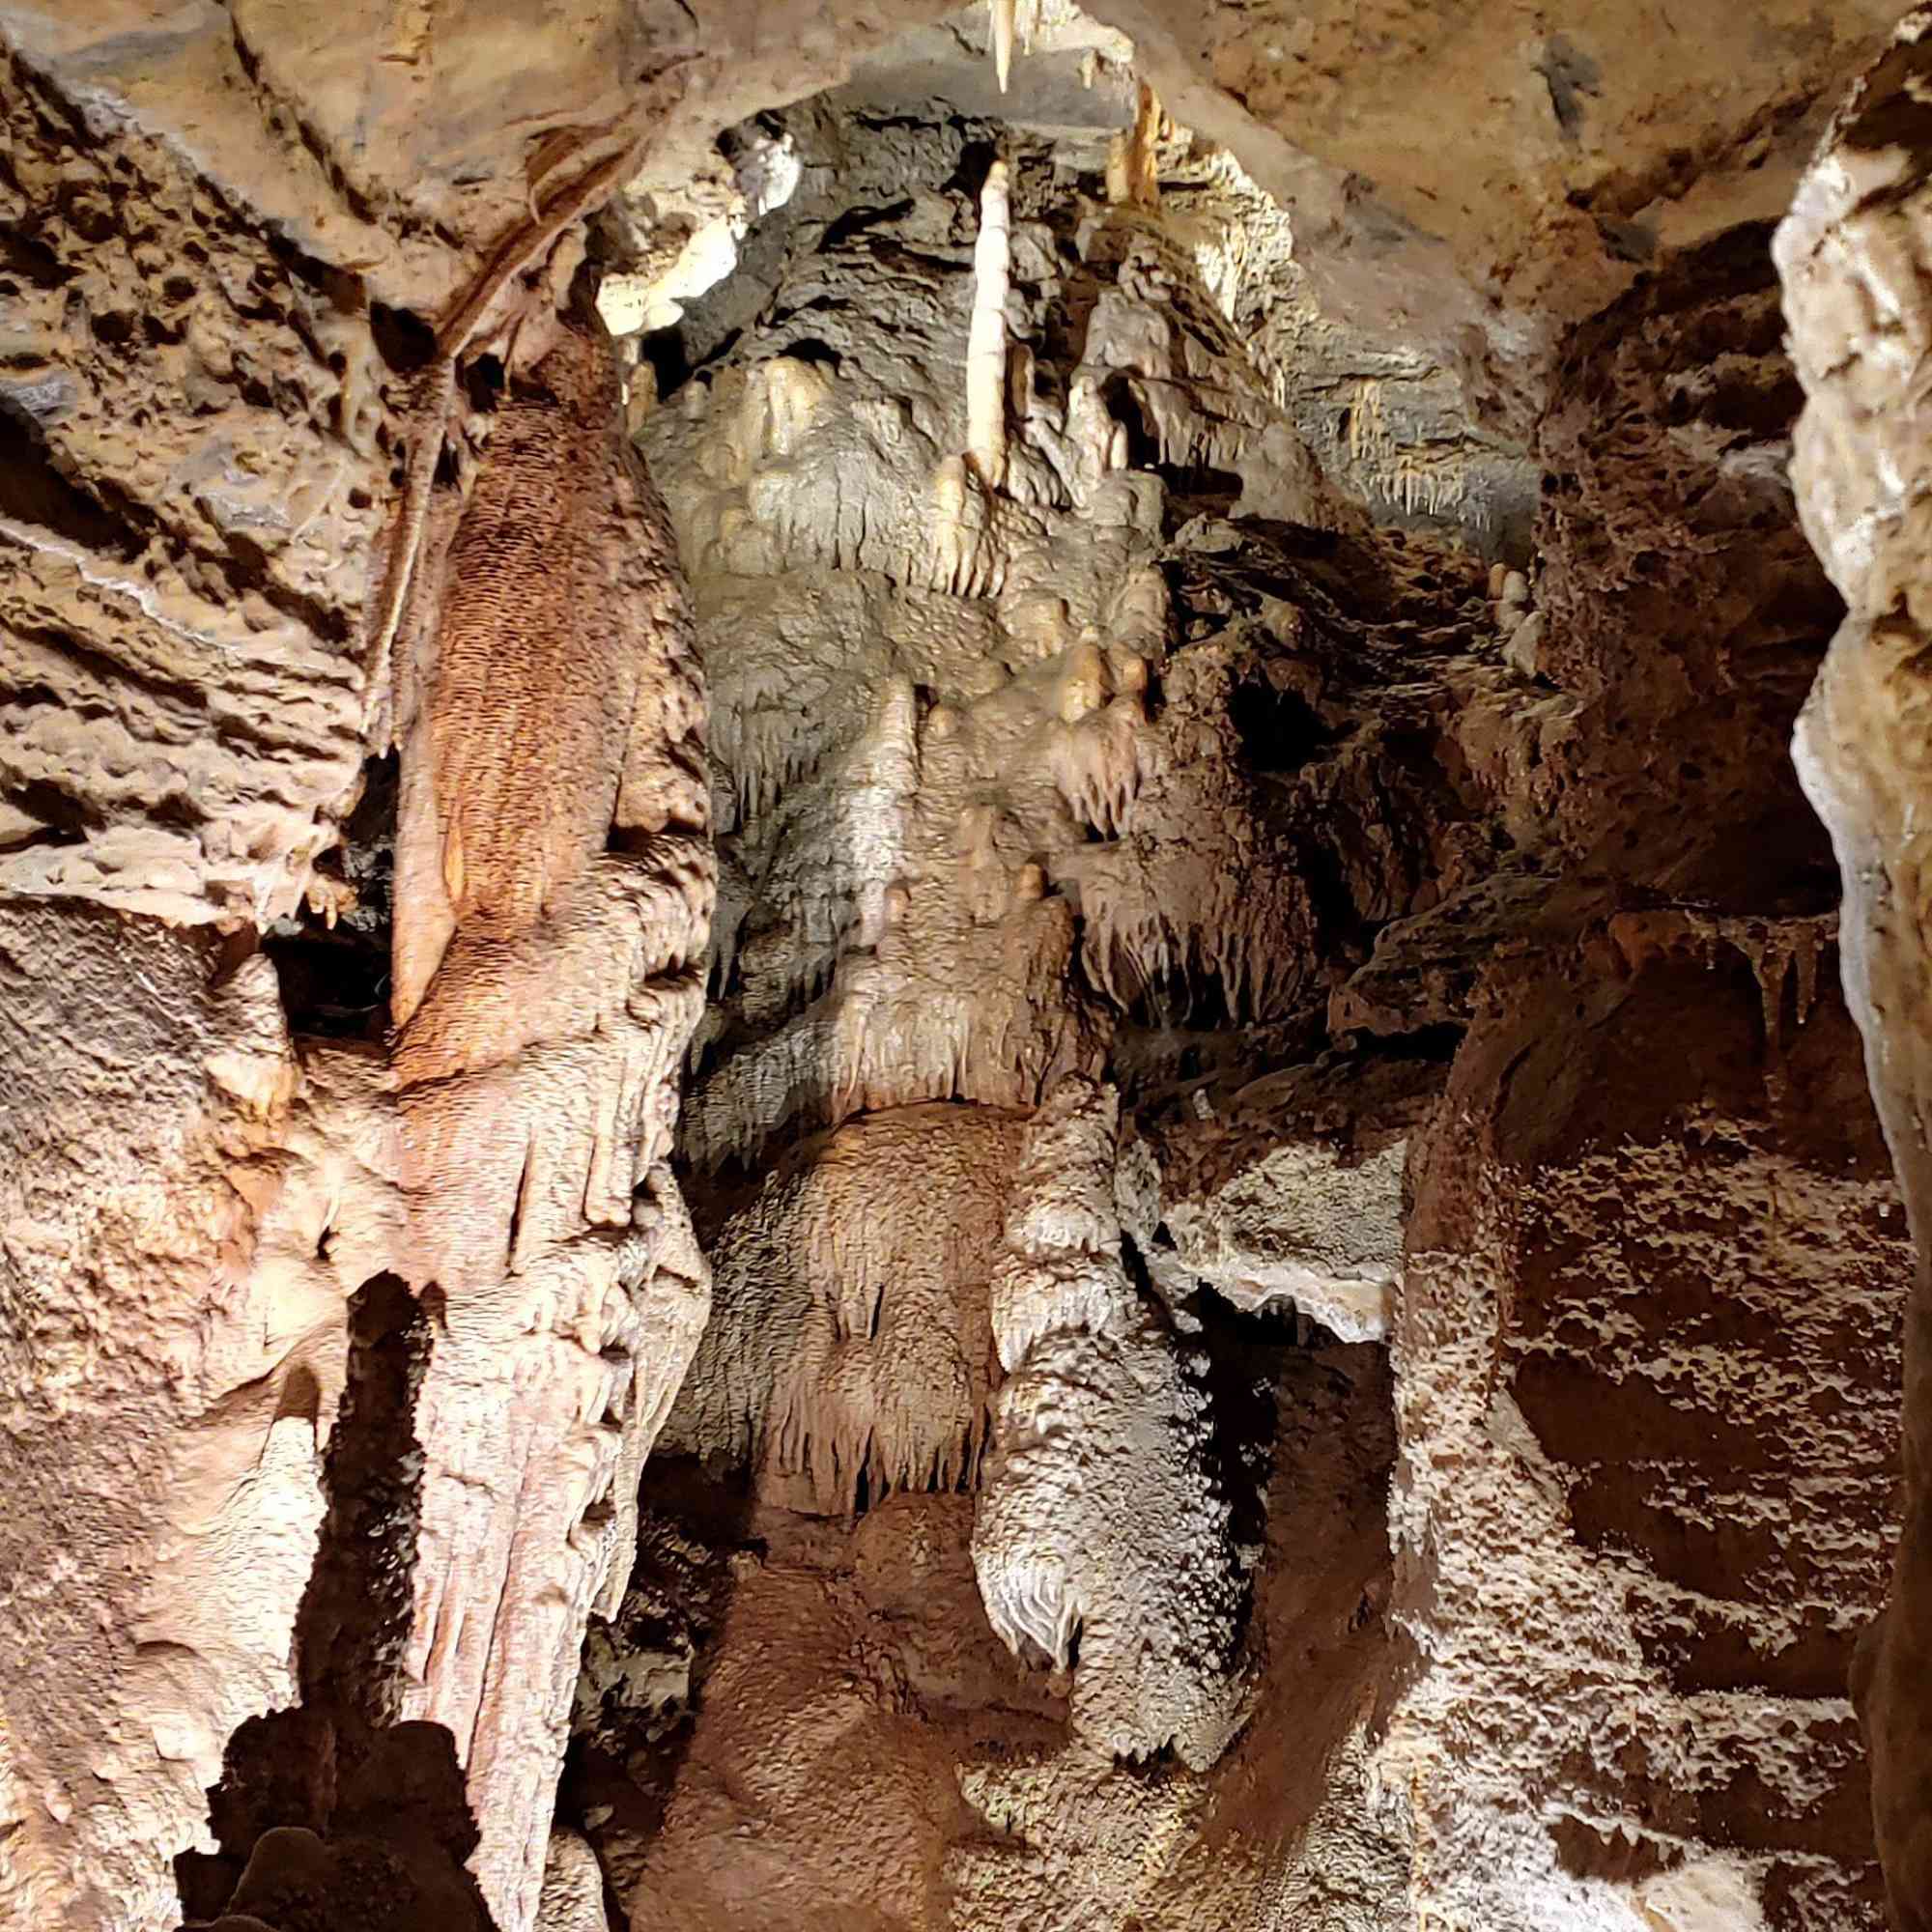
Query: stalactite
x=1003 y=13
x=1133 y=157
x=986 y=335
x=551 y=793
x=852 y=1344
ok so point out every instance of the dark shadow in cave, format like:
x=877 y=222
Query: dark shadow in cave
x=332 y=1812
x=694 y=1528
x=334 y=972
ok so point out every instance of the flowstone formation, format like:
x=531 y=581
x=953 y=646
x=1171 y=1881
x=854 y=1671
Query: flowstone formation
x=912 y=1011
x=262 y=543
x=1101 y=1528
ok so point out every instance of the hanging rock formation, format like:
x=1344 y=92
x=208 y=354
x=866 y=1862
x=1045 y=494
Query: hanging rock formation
x=852 y=1355
x=1100 y=1527
x=1307 y=805
x=536 y=1053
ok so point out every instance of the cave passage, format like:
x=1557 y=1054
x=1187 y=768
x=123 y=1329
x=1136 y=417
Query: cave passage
x=915 y=1011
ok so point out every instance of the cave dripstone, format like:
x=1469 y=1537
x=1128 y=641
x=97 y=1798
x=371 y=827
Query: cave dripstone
x=914 y=1011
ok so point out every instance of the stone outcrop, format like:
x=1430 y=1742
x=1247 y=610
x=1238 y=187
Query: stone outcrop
x=164 y=1400
x=792 y=1716
x=1638 y=1524
x=536 y=1051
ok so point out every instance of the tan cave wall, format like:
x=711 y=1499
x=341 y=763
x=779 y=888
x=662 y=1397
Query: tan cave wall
x=1371 y=1001
x=1849 y=253
x=1646 y=1391
x=202 y=438
x=1026 y=933
x=257 y=534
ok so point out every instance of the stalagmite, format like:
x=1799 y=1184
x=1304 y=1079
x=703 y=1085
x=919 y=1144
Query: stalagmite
x=1099 y=1519
x=986 y=336
x=1133 y=157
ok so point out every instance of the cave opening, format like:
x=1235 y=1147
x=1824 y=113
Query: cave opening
x=331 y=955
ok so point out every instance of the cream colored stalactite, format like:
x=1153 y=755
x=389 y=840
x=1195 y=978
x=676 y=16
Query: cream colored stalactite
x=1133 y=157
x=849 y=1347
x=1856 y=255
x=1002 y=13
x=986 y=336
x=1014 y=23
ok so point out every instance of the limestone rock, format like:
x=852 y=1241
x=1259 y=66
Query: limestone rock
x=1848 y=253
x=1645 y=1376
x=1177 y=825
x=850 y=1350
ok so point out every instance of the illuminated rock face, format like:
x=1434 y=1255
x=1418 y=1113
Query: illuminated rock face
x=1290 y=1307
x=204 y=471
x=1849 y=253
x=1625 y=1469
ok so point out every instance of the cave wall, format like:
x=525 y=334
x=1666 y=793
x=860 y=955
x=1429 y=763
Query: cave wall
x=195 y=458
x=1848 y=253
x=1639 y=1521
x=1183 y=924
x=243 y=260
x=1611 y=1685
x=987 y=767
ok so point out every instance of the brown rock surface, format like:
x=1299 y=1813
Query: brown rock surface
x=1646 y=1367
x=844 y=1739
x=211 y=425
